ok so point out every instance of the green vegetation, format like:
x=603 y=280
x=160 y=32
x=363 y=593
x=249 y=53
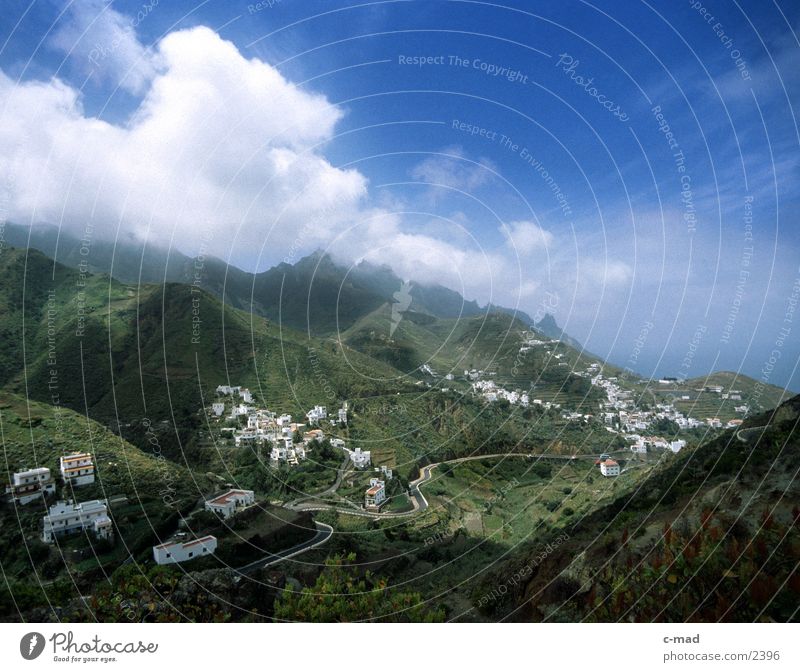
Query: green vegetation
x=340 y=594
x=128 y=373
x=147 y=496
x=702 y=539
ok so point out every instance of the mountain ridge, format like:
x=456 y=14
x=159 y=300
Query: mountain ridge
x=301 y=295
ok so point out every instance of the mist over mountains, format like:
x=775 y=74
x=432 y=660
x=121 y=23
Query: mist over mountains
x=316 y=293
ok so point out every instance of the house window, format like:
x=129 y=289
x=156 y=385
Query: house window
x=169 y=555
x=191 y=553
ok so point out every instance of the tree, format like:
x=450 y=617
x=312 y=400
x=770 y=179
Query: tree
x=341 y=595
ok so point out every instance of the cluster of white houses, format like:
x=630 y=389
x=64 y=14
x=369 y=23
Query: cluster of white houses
x=31 y=484
x=492 y=392
x=641 y=444
x=64 y=517
x=620 y=414
x=264 y=426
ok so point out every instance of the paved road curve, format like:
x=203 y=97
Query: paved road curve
x=324 y=533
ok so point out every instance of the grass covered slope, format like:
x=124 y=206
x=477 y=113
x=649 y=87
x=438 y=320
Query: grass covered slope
x=147 y=494
x=712 y=535
x=129 y=355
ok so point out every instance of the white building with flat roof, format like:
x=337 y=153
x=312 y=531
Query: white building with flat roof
x=181 y=551
x=68 y=518
x=361 y=459
x=77 y=469
x=676 y=446
x=31 y=484
x=230 y=502
x=218 y=409
x=316 y=414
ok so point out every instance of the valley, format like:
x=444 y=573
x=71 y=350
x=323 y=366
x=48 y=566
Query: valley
x=429 y=449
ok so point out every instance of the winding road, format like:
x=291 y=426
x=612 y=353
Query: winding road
x=418 y=501
x=324 y=533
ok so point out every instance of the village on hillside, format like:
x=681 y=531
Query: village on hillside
x=621 y=412
x=285 y=443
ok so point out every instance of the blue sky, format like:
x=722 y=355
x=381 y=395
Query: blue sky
x=460 y=142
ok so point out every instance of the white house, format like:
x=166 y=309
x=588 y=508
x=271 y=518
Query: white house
x=240 y=409
x=247 y=396
x=77 y=469
x=279 y=451
x=31 y=484
x=230 y=502
x=343 y=415
x=218 y=409
x=317 y=413
x=177 y=551
x=284 y=419
x=284 y=449
x=386 y=471
x=375 y=495
x=360 y=458
x=609 y=467
x=675 y=446
x=245 y=438
x=314 y=435
x=68 y=517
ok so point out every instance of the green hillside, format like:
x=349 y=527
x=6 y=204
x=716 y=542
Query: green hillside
x=712 y=535
x=696 y=396
x=314 y=294
x=129 y=371
x=156 y=353
x=148 y=495
x=489 y=342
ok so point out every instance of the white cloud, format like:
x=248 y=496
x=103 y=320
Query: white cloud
x=451 y=168
x=526 y=237
x=217 y=139
x=224 y=146
x=102 y=43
